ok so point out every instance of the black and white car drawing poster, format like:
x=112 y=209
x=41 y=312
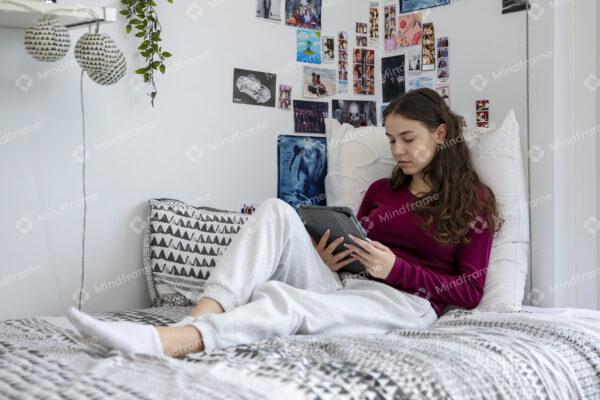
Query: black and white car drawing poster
x=253 y=87
x=509 y=6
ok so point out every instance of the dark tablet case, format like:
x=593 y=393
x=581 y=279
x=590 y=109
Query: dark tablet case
x=341 y=221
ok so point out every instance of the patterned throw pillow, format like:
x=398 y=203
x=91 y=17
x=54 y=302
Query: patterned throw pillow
x=182 y=244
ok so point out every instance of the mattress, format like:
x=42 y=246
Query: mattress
x=529 y=354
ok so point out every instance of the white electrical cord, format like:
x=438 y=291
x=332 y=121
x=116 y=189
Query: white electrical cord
x=83 y=186
x=82 y=104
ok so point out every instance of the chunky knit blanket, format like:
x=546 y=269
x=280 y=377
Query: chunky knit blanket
x=464 y=355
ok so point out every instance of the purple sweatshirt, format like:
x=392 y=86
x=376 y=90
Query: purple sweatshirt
x=441 y=273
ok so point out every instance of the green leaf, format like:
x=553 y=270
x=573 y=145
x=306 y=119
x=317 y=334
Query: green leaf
x=128 y=28
x=166 y=54
x=140 y=71
x=124 y=12
x=140 y=34
x=162 y=68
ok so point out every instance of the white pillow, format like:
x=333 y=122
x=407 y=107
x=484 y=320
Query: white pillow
x=356 y=157
x=506 y=276
x=498 y=160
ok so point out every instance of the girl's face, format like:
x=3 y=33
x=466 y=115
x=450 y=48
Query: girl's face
x=412 y=145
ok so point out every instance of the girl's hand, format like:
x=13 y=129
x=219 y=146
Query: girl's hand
x=326 y=252
x=377 y=258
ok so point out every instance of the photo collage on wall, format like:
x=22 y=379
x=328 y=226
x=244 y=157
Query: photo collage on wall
x=411 y=58
x=426 y=60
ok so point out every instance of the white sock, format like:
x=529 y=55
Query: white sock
x=128 y=337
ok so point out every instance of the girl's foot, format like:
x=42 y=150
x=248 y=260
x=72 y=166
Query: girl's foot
x=128 y=337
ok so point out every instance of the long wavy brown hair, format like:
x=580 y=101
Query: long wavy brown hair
x=456 y=207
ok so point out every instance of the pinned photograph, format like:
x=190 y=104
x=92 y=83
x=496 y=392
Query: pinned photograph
x=269 y=10
x=285 y=97
x=342 y=84
x=355 y=112
x=428 y=41
x=309 y=116
x=483 y=119
x=308 y=46
x=374 y=24
x=444 y=92
x=482 y=108
x=482 y=105
x=389 y=27
x=253 y=87
x=361 y=34
x=364 y=71
x=414 y=61
x=303 y=13
x=420 y=81
x=319 y=82
x=383 y=107
x=361 y=41
x=410 y=30
x=361 y=28
x=328 y=49
x=510 y=6
x=443 y=70
x=412 y=5
x=302 y=167
x=392 y=77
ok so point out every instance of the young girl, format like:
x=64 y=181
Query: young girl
x=430 y=228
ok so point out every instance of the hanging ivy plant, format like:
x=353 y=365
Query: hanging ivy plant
x=142 y=17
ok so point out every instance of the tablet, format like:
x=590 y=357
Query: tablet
x=341 y=221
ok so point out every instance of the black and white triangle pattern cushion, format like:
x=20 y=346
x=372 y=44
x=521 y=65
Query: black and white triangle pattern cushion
x=182 y=244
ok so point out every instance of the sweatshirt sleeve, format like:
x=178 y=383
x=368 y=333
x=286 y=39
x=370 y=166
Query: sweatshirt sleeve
x=464 y=289
x=366 y=203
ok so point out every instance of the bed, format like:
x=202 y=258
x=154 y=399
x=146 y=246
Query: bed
x=533 y=353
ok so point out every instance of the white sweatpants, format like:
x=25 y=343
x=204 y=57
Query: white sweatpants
x=271 y=281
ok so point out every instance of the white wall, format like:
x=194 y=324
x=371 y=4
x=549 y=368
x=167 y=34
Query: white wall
x=137 y=152
x=564 y=127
